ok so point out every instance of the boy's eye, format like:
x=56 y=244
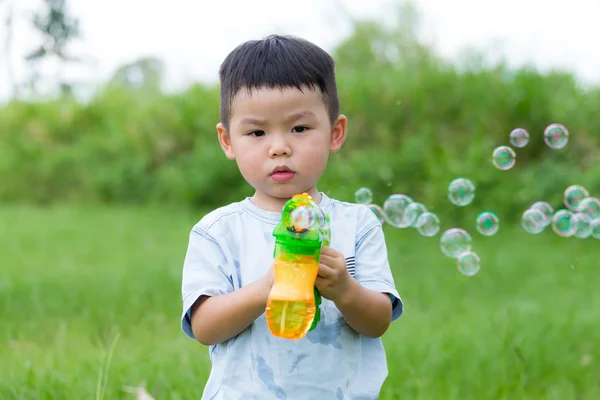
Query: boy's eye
x=257 y=133
x=300 y=129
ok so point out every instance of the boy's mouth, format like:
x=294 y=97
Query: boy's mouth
x=282 y=174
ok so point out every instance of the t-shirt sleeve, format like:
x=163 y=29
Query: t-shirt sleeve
x=372 y=266
x=205 y=273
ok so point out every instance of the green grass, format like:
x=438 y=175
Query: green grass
x=76 y=281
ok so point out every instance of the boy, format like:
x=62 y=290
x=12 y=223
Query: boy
x=280 y=120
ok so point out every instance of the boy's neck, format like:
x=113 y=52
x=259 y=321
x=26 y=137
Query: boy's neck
x=273 y=204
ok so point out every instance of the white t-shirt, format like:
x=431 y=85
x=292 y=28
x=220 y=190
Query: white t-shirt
x=232 y=246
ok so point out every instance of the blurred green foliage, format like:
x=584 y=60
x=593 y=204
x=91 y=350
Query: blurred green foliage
x=415 y=123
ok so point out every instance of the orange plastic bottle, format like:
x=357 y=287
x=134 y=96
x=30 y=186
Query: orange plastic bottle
x=293 y=303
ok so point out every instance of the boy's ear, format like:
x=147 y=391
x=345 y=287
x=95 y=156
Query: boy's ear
x=338 y=133
x=225 y=141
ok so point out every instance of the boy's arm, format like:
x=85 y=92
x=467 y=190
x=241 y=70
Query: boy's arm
x=370 y=301
x=219 y=318
x=214 y=309
x=366 y=311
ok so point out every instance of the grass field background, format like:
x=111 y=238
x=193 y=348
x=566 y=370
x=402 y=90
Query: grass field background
x=80 y=281
x=90 y=272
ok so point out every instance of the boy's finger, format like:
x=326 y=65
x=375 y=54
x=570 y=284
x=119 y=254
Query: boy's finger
x=326 y=259
x=326 y=250
x=320 y=284
x=325 y=271
x=333 y=262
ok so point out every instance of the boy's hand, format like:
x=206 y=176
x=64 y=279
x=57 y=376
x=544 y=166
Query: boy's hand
x=333 y=278
x=267 y=281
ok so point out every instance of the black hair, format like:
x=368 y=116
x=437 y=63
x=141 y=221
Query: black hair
x=278 y=62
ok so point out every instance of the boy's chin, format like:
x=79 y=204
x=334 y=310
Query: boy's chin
x=285 y=193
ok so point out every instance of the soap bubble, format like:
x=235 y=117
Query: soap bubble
x=394 y=209
x=461 y=192
x=519 y=137
x=596 y=229
x=591 y=207
x=562 y=223
x=468 y=263
x=454 y=242
x=556 y=136
x=323 y=223
x=320 y=219
x=363 y=195
x=428 y=224
x=574 y=195
x=487 y=223
x=378 y=211
x=504 y=157
x=583 y=225
x=302 y=217
x=546 y=209
x=413 y=212
x=533 y=221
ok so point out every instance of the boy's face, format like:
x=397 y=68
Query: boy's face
x=281 y=139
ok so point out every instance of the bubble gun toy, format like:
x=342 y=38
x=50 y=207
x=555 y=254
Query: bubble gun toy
x=293 y=304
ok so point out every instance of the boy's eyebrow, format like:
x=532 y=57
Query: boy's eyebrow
x=252 y=121
x=290 y=118
x=298 y=115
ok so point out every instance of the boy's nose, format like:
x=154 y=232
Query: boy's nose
x=279 y=147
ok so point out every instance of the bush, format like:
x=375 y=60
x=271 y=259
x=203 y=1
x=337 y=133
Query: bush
x=415 y=123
